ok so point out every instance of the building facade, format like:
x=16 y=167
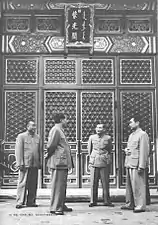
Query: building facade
x=92 y=60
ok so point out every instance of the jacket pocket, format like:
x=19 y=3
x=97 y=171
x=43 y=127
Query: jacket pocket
x=134 y=161
x=27 y=144
x=61 y=160
x=27 y=160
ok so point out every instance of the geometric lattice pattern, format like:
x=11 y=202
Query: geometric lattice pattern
x=60 y=71
x=20 y=108
x=46 y=24
x=136 y=71
x=97 y=71
x=137 y=103
x=97 y=106
x=104 y=26
x=65 y=102
x=16 y=24
x=139 y=26
x=21 y=71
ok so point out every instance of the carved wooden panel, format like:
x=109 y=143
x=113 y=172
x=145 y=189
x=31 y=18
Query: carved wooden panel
x=142 y=103
x=125 y=44
x=139 y=25
x=97 y=71
x=17 y=23
x=51 y=4
x=61 y=101
x=21 y=71
x=39 y=43
x=53 y=24
x=136 y=71
x=104 y=25
x=20 y=108
x=97 y=106
x=60 y=71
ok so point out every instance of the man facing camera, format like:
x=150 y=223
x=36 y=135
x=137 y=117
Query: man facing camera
x=28 y=160
x=99 y=149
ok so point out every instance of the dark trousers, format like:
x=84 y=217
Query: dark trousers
x=27 y=186
x=96 y=174
x=58 y=189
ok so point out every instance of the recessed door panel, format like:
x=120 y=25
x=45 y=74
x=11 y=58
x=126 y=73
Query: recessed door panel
x=96 y=106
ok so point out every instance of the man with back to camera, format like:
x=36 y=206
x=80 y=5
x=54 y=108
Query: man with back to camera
x=136 y=162
x=28 y=160
x=99 y=149
x=59 y=162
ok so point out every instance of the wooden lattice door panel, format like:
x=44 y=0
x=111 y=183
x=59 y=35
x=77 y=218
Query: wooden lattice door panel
x=97 y=71
x=61 y=101
x=20 y=70
x=96 y=106
x=20 y=107
x=137 y=71
x=60 y=71
x=142 y=103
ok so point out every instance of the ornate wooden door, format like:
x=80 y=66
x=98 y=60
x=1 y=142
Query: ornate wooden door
x=42 y=74
x=96 y=105
x=88 y=95
x=137 y=94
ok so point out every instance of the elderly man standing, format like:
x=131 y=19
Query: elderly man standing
x=28 y=160
x=136 y=162
x=99 y=149
x=59 y=162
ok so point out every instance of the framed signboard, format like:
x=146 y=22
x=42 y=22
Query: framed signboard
x=79 y=25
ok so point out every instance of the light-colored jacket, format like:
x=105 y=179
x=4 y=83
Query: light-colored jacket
x=99 y=149
x=27 y=150
x=138 y=144
x=59 y=153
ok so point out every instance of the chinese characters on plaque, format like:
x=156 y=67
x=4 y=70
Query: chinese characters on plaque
x=79 y=26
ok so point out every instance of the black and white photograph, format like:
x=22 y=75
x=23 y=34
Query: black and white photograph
x=78 y=112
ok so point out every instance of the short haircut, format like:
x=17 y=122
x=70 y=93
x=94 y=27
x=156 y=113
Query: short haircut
x=58 y=117
x=137 y=118
x=28 y=122
x=100 y=122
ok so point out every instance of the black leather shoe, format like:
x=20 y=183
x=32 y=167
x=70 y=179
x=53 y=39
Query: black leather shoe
x=59 y=213
x=124 y=207
x=108 y=204
x=138 y=210
x=92 y=204
x=66 y=209
x=19 y=206
x=32 y=205
x=52 y=212
x=148 y=203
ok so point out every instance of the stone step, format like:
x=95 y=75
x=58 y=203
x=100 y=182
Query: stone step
x=76 y=194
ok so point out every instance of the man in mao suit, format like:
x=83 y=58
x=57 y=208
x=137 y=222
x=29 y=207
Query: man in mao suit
x=99 y=149
x=28 y=161
x=136 y=162
x=59 y=162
